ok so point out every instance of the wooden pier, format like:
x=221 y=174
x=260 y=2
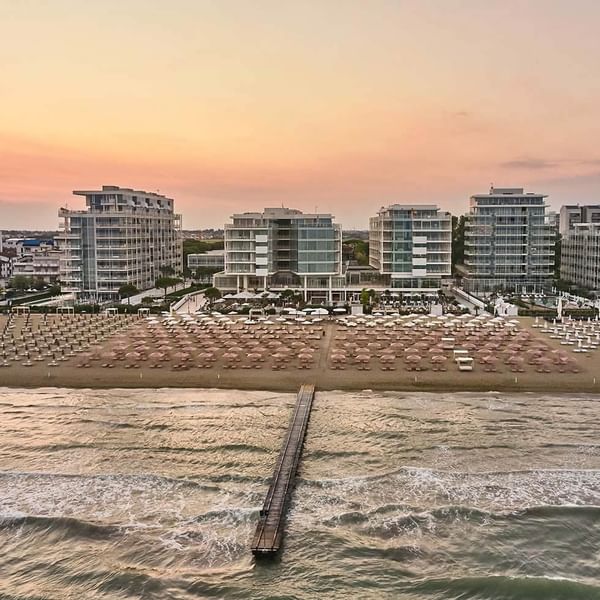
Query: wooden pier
x=269 y=531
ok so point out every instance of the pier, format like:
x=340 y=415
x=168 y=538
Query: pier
x=269 y=531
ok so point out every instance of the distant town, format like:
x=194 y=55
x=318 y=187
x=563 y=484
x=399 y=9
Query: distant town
x=127 y=248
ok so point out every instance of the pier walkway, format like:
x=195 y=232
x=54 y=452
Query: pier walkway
x=269 y=531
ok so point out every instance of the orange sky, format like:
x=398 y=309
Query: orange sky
x=343 y=105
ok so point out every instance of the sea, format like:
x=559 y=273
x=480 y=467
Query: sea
x=155 y=494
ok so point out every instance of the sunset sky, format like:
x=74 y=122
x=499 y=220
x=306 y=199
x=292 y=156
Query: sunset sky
x=339 y=105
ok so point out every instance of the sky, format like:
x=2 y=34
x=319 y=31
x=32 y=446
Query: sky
x=342 y=106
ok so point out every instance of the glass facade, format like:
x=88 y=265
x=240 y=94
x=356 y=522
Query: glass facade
x=412 y=244
x=508 y=239
x=282 y=240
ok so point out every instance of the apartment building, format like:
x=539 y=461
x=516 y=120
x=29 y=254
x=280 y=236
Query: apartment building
x=42 y=265
x=282 y=248
x=411 y=244
x=123 y=236
x=509 y=243
x=571 y=214
x=580 y=255
x=6 y=266
x=212 y=259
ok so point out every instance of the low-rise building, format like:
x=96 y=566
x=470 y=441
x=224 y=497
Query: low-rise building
x=5 y=270
x=213 y=259
x=39 y=266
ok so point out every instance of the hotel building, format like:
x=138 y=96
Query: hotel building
x=124 y=236
x=509 y=242
x=572 y=214
x=283 y=248
x=580 y=255
x=410 y=245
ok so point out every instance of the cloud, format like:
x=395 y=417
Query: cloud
x=529 y=163
x=543 y=163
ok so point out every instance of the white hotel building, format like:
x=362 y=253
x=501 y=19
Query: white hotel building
x=124 y=236
x=509 y=242
x=411 y=246
x=283 y=248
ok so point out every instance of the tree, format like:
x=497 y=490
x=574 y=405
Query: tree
x=202 y=272
x=287 y=294
x=365 y=297
x=360 y=250
x=127 y=290
x=458 y=241
x=212 y=294
x=20 y=282
x=557 y=255
x=166 y=282
x=167 y=270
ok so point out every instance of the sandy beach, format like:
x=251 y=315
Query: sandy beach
x=86 y=351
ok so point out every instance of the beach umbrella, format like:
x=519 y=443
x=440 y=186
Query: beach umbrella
x=438 y=358
x=413 y=358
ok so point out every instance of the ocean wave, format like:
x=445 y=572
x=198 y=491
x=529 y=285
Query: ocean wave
x=149 y=478
x=501 y=587
x=66 y=526
x=230 y=515
x=416 y=471
x=404 y=516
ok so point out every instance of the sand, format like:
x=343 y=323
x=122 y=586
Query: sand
x=320 y=371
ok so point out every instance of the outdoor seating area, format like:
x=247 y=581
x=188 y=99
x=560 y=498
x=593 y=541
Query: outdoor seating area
x=210 y=346
x=181 y=343
x=425 y=343
x=51 y=339
x=578 y=336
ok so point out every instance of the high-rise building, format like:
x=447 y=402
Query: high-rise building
x=571 y=214
x=279 y=248
x=412 y=244
x=509 y=243
x=580 y=255
x=124 y=236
